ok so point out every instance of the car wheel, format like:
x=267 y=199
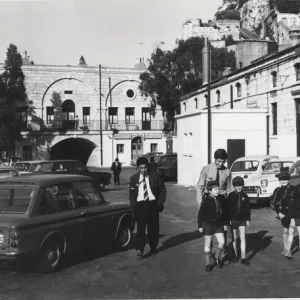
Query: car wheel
x=124 y=236
x=101 y=186
x=50 y=258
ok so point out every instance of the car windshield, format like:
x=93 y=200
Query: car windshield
x=245 y=166
x=276 y=167
x=15 y=198
x=22 y=166
x=170 y=162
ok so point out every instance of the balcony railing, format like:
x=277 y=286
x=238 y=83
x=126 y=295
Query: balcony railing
x=72 y=125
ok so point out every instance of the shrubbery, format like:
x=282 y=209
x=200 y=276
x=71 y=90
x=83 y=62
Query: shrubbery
x=228 y=14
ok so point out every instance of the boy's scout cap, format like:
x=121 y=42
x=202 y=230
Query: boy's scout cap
x=283 y=176
x=211 y=185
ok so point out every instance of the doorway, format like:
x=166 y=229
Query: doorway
x=68 y=110
x=235 y=149
x=146 y=119
x=136 y=148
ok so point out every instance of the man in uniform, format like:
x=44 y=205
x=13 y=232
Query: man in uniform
x=216 y=171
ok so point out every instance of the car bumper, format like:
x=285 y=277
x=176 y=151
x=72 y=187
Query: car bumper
x=257 y=199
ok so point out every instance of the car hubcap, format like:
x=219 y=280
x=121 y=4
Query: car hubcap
x=52 y=257
x=125 y=237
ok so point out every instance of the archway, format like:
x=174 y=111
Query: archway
x=136 y=148
x=73 y=148
x=68 y=110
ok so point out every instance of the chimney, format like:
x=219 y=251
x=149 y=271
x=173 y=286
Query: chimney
x=205 y=63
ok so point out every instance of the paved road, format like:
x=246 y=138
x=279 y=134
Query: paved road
x=176 y=271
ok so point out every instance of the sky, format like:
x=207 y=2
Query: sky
x=113 y=33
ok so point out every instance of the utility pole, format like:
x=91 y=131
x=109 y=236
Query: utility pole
x=100 y=114
x=206 y=57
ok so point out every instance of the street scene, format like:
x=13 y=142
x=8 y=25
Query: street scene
x=149 y=149
x=177 y=270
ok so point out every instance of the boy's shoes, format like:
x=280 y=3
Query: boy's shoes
x=219 y=263
x=208 y=268
x=225 y=260
x=288 y=255
x=245 y=262
x=139 y=254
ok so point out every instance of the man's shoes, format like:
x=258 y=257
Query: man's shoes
x=139 y=254
x=235 y=259
x=208 y=268
x=225 y=260
x=245 y=262
x=288 y=255
x=219 y=263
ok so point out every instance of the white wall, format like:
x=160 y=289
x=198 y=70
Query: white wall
x=226 y=124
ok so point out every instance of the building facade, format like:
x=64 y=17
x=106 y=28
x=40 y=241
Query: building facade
x=271 y=83
x=66 y=120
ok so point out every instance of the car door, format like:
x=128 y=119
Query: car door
x=295 y=175
x=97 y=219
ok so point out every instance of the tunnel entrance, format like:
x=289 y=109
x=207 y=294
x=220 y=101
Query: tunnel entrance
x=73 y=148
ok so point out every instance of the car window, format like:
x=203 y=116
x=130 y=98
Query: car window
x=78 y=167
x=62 y=167
x=45 y=167
x=15 y=198
x=276 y=167
x=86 y=194
x=295 y=171
x=245 y=166
x=57 y=198
x=22 y=166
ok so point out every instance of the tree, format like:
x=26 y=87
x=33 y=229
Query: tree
x=175 y=72
x=13 y=99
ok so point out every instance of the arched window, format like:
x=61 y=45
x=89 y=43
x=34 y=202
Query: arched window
x=274 y=78
x=206 y=99
x=184 y=107
x=196 y=103
x=218 y=96
x=238 y=90
x=297 y=70
x=68 y=110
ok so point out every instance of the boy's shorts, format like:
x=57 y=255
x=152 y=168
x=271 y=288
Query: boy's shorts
x=235 y=224
x=285 y=222
x=212 y=228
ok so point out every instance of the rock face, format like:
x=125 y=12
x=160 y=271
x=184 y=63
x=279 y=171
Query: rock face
x=229 y=4
x=253 y=14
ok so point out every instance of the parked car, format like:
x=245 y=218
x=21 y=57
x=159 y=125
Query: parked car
x=165 y=157
x=168 y=169
x=263 y=186
x=46 y=217
x=64 y=167
x=7 y=171
x=156 y=155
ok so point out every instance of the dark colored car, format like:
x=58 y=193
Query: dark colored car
x=43 y=218
x=168 y=168
x=165 y=157
x=64 y=167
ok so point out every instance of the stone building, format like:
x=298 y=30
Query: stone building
x=271 y=83
x=64 y=119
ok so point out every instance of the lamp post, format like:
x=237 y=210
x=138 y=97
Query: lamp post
x=100 y=113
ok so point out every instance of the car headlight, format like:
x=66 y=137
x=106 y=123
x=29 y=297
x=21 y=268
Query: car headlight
x=264 y=183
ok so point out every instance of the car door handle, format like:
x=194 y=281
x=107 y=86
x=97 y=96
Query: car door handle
x=83 y=214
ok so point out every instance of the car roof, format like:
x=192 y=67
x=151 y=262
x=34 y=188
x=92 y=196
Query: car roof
x=47 y=161
x=293 y=159
x=257 y=157
x=45 y=179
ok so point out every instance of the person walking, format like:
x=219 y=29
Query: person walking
x=282 y=204
x=152 y=167
x=239 y=215
x=215 y=171
x=212 y=221
x=116 y=169
x=147 y=195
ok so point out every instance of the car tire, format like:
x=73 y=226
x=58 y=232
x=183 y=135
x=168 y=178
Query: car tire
x=101 y=186
x=50 y=257
x=124 y=236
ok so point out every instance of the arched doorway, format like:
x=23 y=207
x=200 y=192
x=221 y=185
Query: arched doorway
x=73 y=148
x=68 y=112
x=136 y=148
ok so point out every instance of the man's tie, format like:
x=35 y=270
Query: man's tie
x=218 y=177
x=146 y=196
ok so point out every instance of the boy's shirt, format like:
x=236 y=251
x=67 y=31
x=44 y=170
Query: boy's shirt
x=283 y=198
x=212 y=210
x=238 y=206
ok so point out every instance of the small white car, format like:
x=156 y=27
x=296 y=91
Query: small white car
x=250 y=168
x=268 y=182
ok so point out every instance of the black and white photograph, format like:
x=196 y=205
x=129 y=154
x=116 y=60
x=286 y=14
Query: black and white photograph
x=149 y=149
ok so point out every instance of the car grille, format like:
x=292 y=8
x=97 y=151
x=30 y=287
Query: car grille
x=251 y=189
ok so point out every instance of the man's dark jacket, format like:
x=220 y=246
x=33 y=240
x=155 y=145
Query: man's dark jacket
x=157 y=186
x=116 y=169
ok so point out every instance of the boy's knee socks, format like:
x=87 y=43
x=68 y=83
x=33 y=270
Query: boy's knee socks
x=207 y=256
x=219 y=252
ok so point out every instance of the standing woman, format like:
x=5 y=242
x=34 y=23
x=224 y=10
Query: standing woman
x=282 y=203
x=239 y=215
x=212 y=219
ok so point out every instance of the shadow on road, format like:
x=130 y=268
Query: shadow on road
x=179 y=239
x=257 y=242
